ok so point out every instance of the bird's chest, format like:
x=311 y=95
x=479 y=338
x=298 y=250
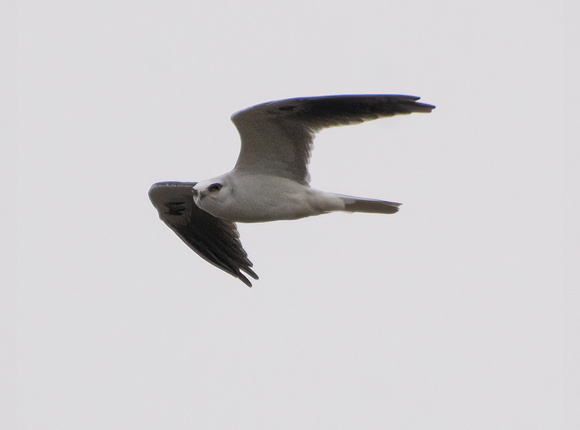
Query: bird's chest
x=268 y=199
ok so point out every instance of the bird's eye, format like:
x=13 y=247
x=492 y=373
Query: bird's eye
x=214 y=188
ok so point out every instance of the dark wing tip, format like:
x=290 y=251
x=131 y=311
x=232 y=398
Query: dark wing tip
x=414 y=105
x=249 y=272
x=393 y=104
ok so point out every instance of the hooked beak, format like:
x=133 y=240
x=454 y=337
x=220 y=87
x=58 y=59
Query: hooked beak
x=197 y=194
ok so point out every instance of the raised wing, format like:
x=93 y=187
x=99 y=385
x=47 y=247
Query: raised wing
x=213 y=239
x=277 y=136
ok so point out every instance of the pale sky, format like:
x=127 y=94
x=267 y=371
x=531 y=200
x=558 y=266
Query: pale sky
x=448 y=315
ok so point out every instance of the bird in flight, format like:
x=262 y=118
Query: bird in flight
x=270 y=180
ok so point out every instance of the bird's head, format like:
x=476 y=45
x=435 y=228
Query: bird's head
x=212 y=194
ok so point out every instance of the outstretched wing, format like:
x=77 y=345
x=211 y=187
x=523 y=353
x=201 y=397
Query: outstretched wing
x=277 y=136
x=213 y=239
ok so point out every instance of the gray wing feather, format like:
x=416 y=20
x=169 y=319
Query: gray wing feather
x=213 y=239
x=277 y=136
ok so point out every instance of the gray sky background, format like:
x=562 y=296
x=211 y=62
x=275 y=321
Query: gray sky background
x=447 y=315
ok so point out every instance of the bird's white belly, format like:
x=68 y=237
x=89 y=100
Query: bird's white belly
x=268 y=198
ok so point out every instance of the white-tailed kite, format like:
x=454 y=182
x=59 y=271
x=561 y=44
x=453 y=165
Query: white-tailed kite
x=270 y=180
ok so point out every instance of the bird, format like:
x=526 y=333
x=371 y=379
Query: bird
x=270 y=180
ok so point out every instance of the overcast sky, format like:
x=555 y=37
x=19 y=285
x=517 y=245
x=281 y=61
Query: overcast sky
x=447 y=315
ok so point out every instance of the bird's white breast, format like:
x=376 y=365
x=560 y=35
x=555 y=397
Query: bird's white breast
x=260 y=198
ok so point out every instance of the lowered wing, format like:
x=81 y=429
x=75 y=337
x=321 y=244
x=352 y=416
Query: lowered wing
x=213 y=239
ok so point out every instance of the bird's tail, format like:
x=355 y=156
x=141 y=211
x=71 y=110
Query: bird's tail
x=359 y=204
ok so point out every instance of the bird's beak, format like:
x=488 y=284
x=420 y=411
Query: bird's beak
x=199 y=195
